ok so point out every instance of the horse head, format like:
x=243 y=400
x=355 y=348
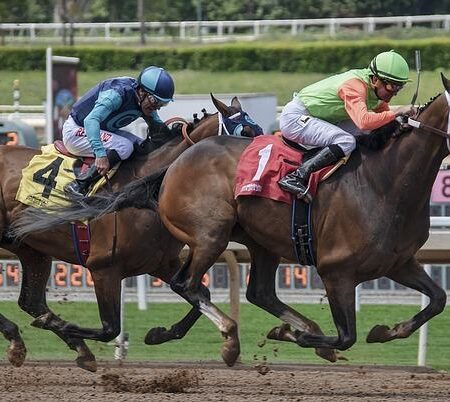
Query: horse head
x=234 y=121
x=445 y=82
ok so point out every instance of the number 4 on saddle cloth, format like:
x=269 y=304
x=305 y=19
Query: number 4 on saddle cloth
x=43 y=180
x=263 y=163
x=42 y=186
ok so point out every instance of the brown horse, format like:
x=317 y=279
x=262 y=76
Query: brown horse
x=144 y=247
x=369 y=220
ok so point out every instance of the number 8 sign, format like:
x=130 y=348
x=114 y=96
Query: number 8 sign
x=441 y=187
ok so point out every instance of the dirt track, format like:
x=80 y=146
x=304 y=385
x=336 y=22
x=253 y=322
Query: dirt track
x=55 y=381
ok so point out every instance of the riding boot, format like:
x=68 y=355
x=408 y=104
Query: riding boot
x=84 y=182
x=297 y=181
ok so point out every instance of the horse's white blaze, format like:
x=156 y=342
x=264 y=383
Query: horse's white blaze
x=264 y=158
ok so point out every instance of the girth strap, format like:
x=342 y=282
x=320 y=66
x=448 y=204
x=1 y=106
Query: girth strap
x=301 y=232
x=81 y=237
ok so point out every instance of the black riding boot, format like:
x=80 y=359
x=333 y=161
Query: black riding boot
x=82 y=184
x=297 y=181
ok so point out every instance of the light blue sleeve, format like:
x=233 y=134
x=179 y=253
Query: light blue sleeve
x=107 y=102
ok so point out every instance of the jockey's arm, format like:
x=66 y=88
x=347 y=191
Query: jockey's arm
x=107 y=102
x=354 y=94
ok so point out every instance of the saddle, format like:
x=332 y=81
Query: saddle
x=82 y=163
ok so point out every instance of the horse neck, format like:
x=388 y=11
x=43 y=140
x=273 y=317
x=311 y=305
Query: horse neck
x=167 y=153
x=415 y=158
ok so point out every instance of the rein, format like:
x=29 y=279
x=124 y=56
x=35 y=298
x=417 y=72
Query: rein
x=184 y=127
x=419 y=125
x=434 y=130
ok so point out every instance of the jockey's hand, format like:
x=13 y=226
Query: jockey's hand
x=102 y=164
x=408 y=110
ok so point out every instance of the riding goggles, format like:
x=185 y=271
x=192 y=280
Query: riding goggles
x=392 y=86
x=154 y=101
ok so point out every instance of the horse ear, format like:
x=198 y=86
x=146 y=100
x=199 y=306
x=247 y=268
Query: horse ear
x=220 y=106
x=236 y=104
x=446 y=82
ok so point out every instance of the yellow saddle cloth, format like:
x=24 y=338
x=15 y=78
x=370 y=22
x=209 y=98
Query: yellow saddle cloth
x=44 y=178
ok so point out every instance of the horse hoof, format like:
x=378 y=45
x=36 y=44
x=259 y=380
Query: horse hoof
x=230 y=354
x=379 y=333
x=87 y=363
x=327 y=354
x=156 y=336
x=16 y=353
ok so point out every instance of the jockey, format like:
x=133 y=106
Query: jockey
x=331 y=112
x=94 y=125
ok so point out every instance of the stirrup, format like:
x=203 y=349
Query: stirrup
x=305 y=196
x=74 y=189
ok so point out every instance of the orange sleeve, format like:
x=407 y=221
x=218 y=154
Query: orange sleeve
x=354 y=94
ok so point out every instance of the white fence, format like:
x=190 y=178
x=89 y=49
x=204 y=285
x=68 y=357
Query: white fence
x=86 y=32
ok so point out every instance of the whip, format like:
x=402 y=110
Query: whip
x=418 y=67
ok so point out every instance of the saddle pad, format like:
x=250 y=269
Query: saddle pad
x=44 y=178
x=263 y=163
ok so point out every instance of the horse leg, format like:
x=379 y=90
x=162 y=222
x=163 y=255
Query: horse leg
x=261 y=292
x=36 y=269
x=413 y=276
x=107 y=285
x=158 y=335
x=341 y=297
x=16 y=351
x=187 y=283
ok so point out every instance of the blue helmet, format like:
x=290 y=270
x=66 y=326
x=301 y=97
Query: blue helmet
x=158 y=82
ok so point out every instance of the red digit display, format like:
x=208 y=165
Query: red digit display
x=89 y=281
x=300 y=277
x=61 y=274
x=156 y=283
x=12 y=274
x=205 y=280
x=76 y=276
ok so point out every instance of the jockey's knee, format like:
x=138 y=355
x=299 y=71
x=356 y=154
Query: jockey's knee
x=124 y=150
x=347 y=143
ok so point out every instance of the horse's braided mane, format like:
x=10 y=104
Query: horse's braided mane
x=420 y=109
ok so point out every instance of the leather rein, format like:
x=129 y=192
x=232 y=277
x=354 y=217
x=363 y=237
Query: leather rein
x=184 y=126
x=419 y=125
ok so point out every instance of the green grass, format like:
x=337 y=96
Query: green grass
x=204 y=340
x=32 y=84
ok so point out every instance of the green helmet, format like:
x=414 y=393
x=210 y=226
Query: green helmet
x=390 y=66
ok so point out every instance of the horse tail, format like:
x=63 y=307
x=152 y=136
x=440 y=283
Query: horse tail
x=141 y=193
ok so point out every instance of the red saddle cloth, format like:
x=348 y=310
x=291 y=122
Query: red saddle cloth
x=263 y=163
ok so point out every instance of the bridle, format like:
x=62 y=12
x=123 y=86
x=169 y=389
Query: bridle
x=222 y=125
x=419 y=125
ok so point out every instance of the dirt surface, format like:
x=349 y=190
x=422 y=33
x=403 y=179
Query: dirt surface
x=202 y=382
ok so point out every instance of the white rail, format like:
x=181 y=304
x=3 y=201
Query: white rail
x=204 y=30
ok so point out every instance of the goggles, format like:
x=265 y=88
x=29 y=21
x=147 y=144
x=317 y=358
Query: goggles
x=154 y=101
x=393 y=87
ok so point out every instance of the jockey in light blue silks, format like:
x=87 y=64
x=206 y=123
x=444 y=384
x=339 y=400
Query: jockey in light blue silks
x=94 y=125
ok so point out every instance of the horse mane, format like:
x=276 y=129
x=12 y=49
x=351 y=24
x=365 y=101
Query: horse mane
x=378 y=138
x=422 y=108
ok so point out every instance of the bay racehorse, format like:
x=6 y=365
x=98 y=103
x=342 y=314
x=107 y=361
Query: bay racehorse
x=142 y=247
x=369 y=220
